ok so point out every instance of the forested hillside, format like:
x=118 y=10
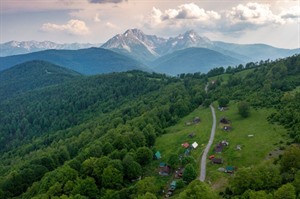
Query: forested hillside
x=192 y=60
x=90 y=61
x=268 y=84
x=275 y=86
x=32 y=75
x=89 y=137
x=93 y=136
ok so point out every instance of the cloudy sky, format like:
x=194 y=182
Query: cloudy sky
x=95 y=21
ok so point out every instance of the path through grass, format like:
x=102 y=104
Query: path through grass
x=266 y=138
x=176 y=135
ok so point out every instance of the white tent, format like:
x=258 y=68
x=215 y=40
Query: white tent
x=195 y=145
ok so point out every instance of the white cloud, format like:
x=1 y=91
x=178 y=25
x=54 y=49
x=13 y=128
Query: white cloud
x=192 y=11
x=253 y=14
x=291 y=15
x=237 y=21
x=97 y=18
x=106 y=1
x=218 y=19
x=74 y=27
x=185 y=15
x=111 y=25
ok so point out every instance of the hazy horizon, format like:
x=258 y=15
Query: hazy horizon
x=275 y=23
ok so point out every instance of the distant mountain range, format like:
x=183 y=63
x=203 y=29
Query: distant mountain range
x=156 y=47
x=136 y=44
x=17 y=47
x=186 y=53
x=147 y=48
x=85 y=61
x=180 y=54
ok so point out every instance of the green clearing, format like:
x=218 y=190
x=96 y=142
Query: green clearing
x=225 y=77
x=244 y=73
x=170 y=142
x=266 y=138
x=176 y=135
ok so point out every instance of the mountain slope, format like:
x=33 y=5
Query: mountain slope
x=86 y=61
x=17 y=47
x=93 y=136
x=136 y=44
x=192 y=60
x=256 y=52
x=146 y=48
x=58 y=131
x=150 y=49
x=32 y=75
x=187 y=40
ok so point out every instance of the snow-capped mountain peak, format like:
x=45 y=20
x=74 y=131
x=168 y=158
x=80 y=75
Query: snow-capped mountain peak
x=138 y=45
x=196 y=38
x=135 y=42
x=22 y=47
x=135 y=32
x=187 y=40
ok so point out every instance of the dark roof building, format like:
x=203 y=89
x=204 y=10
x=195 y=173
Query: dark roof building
x=217 y=161
x=223 y=120
x=196 y=120
x=219 y=148
x=164 y=171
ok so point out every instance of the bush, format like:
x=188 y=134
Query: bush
x=223 y=102
x=189 y=173
x=180 y=184
x=244 y=109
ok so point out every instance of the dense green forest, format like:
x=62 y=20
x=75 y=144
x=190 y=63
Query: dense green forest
x=90 y=136
x=32 y=75
x=267 y=84
x=93 y=136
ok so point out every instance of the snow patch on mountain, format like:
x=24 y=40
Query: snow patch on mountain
x=22 y=47
x=153 y=45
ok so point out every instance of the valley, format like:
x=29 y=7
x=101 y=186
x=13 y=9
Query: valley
x=66 y=135
x=160 y=99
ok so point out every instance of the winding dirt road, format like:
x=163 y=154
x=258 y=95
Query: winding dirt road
x=211 y=139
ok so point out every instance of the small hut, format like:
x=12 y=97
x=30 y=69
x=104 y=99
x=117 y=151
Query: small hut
x=223 y=120
x=173 y=185
x=162 y=164
x=229 y=169
x=185 y=145
x=227 y=128
x=219 y=148
x=217 y=161
x=164 y=171
x=157 y=155
x=191 y=135
x=196 y=120
x=195 y=145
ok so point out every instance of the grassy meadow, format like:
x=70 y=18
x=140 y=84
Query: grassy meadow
x=170 y=142
x=267 y=138
x=176 y=135
x=225 y=77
